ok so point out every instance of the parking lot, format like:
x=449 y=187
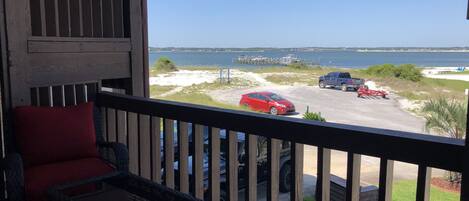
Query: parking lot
x=341 y=107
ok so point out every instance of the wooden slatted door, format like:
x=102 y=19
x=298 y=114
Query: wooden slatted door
x=56 y=42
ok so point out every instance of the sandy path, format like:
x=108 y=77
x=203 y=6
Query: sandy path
x=449 y=76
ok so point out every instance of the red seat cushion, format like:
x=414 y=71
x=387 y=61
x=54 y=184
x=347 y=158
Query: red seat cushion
x=39 y=178
x=47 y=135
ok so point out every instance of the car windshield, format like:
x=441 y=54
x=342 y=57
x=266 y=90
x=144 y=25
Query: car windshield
x=275 y=97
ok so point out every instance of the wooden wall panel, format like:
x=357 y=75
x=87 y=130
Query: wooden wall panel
x=78 y=46
x=75 y=68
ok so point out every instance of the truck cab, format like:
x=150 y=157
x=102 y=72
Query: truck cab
x=340 y=79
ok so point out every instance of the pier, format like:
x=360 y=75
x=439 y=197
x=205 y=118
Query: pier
x=261 y=60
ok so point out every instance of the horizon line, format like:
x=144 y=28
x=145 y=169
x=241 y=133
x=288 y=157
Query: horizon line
x=435 y=47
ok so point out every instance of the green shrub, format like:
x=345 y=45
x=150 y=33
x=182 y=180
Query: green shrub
x=165 y=64
x=404 y=71
x=409 y=72
x=313 y=116
x=385 y=70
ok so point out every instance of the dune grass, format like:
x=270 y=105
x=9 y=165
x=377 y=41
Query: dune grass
x=200 y=99
x=157 y=90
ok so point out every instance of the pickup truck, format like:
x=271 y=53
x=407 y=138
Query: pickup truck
x=340 y=79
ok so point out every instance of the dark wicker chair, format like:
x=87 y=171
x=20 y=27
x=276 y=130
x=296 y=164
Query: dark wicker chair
x=115 y=154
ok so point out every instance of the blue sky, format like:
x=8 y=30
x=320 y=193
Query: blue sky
x=307 y=23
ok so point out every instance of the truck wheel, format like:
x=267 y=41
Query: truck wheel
x=344 y=87
x=285 y=178
x=322 y=85
x=273 y=111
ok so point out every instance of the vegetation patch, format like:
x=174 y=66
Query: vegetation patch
x=313 y=116
x=404 y=71
x=164 y=64
x=292 y=78
x=200 y=99
x=158 y=90
x=405 y=190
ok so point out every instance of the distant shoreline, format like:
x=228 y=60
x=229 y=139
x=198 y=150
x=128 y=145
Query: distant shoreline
x=316 y=49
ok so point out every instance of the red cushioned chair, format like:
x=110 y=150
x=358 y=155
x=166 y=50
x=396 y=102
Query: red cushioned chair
x=58 y=145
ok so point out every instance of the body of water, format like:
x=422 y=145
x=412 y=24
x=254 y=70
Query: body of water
x=348 y=59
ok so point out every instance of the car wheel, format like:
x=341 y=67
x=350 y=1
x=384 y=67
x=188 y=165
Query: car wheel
x=344 y=87
x=223 y=195
x=321 y=84
x=285 y=178
x=273 y=111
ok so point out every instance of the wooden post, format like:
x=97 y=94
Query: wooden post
x=296 y=192
x=273 y=161
x=214 y=166
x=183 y=143
x=18 y=21
x=232 y=166
x=251 y=167
x=198 y=171
x=156 y=148
x=169 y=152
x=353 y=177
x=323 y=184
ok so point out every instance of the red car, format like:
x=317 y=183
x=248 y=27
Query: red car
x=267 y=102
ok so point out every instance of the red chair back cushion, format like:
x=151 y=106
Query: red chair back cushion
x=46 y=135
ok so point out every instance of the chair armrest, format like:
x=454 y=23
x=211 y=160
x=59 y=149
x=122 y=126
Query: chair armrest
x=13 y=167
x=116 y=154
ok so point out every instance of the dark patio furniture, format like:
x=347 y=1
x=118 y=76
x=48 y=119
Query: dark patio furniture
x=49 y=153
x=118 y=186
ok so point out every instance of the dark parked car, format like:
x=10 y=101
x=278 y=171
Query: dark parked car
x=262 y=163
x=340 y=79
x=267 y=102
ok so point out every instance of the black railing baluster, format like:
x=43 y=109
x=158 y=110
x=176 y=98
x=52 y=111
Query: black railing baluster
x=386 y=170
x=423 y=183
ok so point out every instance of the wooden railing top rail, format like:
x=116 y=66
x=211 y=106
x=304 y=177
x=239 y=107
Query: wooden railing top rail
x=426 y=150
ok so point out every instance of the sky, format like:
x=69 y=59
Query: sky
x=308 y=23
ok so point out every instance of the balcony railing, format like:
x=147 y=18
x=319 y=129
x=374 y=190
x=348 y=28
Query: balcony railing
x=138 y=122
